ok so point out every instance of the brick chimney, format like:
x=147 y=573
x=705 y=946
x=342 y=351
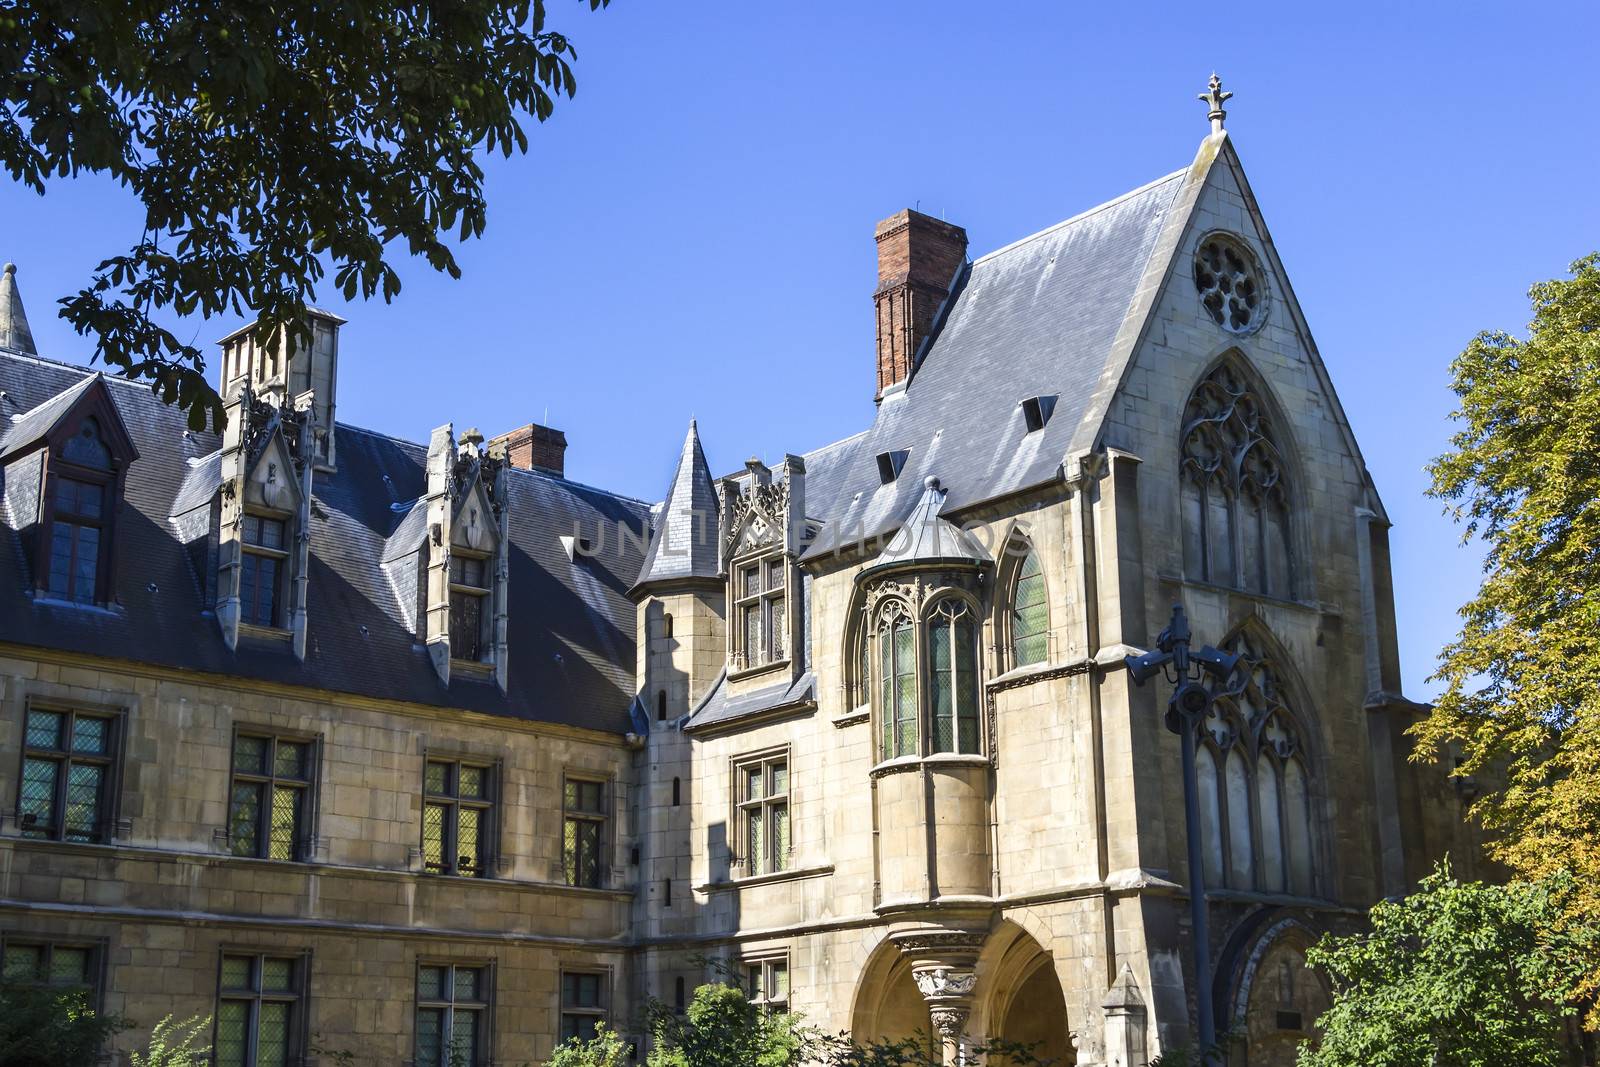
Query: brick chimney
x=918 y=259
x=535 y=447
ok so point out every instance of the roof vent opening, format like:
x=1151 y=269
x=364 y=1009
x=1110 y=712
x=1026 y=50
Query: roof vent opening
x=890 y=464
x=1036 y=411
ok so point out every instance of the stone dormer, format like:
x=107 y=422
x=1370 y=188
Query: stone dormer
x=466 y=565
x=291 y=371
x=264 y=523
x=764 y=530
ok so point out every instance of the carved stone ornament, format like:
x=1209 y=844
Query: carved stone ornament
x=951 y=1022
x=261 y=417
x=482 y=466
x=939 y=941
x=937 y=982
x=757 y=517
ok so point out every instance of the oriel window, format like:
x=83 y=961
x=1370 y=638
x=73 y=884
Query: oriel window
x=452 y=1028
x=262 y=565
x=953 y=666
x=68 y=763
x=457 y=818
x=270 y=799
x=259 y=1010
x=897 y=681
x=583 y=832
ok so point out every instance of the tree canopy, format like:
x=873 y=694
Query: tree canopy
x=267 y=143
x=1455 y=975
x=1522 y=696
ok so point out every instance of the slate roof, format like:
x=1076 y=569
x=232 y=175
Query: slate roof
x=687 y=523
x=30 y=426
x=717 y=707
x=571 y=624
x=1036 y=318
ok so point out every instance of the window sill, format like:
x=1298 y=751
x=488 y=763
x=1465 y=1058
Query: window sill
x=1263 y=598
x=45 y=600
x=900 y=764
x=793 y=874
x=741 y=673
x=1033 y=672
x=265 y=635
x=472 y=669
x=854 y=717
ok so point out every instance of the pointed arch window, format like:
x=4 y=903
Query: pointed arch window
x=953 y=676
x=1030 y=613
x=1235 y=495
x=1255 y=789
x=895 y=638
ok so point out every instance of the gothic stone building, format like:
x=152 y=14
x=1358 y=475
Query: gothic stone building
x=353 y=743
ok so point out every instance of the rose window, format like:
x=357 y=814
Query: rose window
x=1229 y=285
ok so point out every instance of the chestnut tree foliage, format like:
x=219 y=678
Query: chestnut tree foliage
x=268 y=142
x=1522 y=696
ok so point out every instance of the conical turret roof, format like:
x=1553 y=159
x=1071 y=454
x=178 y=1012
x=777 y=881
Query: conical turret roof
x=926 y=538
x=688 y=523
x=14 y=331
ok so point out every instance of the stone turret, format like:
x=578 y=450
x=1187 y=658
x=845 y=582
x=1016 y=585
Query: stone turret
x=14 y=331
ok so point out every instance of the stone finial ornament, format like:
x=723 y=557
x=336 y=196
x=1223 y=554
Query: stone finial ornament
x=1215 y=97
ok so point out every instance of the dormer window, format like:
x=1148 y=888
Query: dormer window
x=77 y=532
x=469 y=598
x=890 y=464
x=263 y=563
x=1036 y=411
x=761 y=612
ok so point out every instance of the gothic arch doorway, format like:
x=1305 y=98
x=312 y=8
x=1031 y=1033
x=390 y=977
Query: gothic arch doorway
x=887 y=1003
x=1023 y=1002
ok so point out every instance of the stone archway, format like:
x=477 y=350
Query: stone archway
x=888 y=1004
x=1020 y=996
x=1278 y=998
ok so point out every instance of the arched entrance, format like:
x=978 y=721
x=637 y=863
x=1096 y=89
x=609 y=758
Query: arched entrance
x=1278 y=998
x=887 y=1003
x=1021 y=997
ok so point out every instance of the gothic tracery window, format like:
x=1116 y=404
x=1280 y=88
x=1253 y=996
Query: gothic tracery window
x=1229 y=284
x=953 y=676
x=926 y=678
x=895 y=637
x=1255 y=806
x=1030 y=614
x=1235 y=496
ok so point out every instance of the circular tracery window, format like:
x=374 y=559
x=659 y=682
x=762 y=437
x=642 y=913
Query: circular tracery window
x=1229 y=284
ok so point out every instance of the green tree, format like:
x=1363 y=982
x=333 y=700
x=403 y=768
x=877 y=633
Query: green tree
x=1522 y=679
x=267 y=143
x=1455 y=975
x=175 y=1044
x=605 y=1049
x=721 y=1028
x=44 y=1026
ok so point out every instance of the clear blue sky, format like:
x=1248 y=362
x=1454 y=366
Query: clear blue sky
x=693 y=234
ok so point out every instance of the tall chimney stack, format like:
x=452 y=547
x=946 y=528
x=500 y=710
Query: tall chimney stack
x=535 y=447
x=918 y=259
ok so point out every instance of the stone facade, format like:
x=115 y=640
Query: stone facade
x=882 y=759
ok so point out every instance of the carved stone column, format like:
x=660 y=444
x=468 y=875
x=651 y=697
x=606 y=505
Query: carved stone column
x=942 y=965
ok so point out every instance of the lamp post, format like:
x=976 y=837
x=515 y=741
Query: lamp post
x=1186 y=712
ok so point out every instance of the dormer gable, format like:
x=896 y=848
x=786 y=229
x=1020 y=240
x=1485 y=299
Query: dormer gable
x=474 y=527
x=273 y=483
x=764 y=531
x=466 y=568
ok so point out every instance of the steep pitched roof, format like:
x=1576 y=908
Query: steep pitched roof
x=1038 y=317
x=687 y=526
x=14 y=331
x=925 y=538
x=571 y=624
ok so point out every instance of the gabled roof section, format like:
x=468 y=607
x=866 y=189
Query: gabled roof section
x=687 y=534
x=33 y=426
x=927 y=539
x=15 y=333
x=1041 y=316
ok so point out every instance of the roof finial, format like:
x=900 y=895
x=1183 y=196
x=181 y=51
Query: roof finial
x=1216 y=98
x=14 y=331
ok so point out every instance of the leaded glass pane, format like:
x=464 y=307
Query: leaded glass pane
x=780 y=779
x=23 y=963
x=44 y=730
x=244 y=821
x=277 y=975
x=966 y=664
x=752 y=633
x=467 y=984
x=38 y=796
x=237 y=972
x=754 y=783
x=1272 y=864
x=464 y=1039
x=430 y=983
x=1030 y=615
x=290 y=759
x=84 y=781
x=84 y=562
x=286 y=802
x=250 y=754
x=471 y=782
x=752 y=581
x=943 y=691
x=779 y=990
x=430 y=1037
x=757 y=844
x=233 y=1033
x=780 y=836
x=69 y=966
x=581 y=990
x=90 y=735
x=466 y=626
x=436 y=779
x=61 y=542
x=433 y=844
x=779 y=626
x=272 y=1038
x=469 y=824
x=905 y=698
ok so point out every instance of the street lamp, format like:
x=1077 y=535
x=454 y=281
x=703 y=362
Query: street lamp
x=1186 y=712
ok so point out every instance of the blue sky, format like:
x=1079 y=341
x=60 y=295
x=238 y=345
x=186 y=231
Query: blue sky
x=693 y=234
